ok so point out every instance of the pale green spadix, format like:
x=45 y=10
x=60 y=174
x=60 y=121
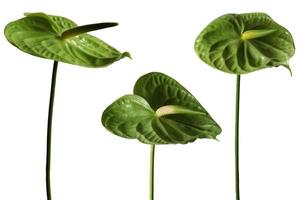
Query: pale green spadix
x=252 y=34
x=172 y=110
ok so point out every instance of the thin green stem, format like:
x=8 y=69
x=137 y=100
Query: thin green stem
x=237 y=116
x=50 y=112
x=152 y=151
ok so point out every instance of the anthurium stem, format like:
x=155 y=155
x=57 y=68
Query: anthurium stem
x=237 y=116
x=152 y=151
x=50 y=112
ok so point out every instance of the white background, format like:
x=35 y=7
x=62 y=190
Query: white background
x=91 y=164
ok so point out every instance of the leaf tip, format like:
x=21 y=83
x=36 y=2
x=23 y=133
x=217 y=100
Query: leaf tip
x=126 y=54
x=290 y=70
x=213 y=137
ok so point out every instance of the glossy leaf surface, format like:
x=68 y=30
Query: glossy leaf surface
x=58 y=38
x=161 y=111
x=243 y=43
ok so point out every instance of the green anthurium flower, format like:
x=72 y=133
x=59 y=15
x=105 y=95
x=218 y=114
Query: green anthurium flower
x=240 y=44
x=160 y=111
x=60 y=39
x=243 y=43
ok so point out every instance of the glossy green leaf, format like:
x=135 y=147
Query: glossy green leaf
x=161 y=111
x=58 y=38
x=245 y=43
